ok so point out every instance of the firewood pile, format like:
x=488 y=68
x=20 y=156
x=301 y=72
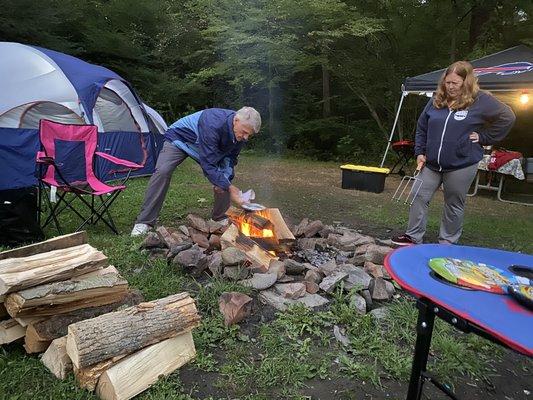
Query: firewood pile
x=300 y=265
x=62 y=297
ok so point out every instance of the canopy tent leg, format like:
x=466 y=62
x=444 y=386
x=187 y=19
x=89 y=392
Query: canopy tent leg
x=393 y=128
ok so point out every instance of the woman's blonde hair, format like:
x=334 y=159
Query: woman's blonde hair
x=469 y=90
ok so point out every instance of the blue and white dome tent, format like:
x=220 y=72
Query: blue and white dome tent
x=36 y=83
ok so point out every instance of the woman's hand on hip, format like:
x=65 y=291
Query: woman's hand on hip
x=474 y=137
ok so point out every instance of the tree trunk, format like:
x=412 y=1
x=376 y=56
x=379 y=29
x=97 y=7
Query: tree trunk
x=56 y=265
x=453 y=39
x=480 y=15
x=326 y=92
x=123 y=332
x=57 y=325
x=136 y=373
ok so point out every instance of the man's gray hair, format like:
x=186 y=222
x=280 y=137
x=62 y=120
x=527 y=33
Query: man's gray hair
x=251 y=117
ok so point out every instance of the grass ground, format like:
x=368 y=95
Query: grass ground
x=294 y=355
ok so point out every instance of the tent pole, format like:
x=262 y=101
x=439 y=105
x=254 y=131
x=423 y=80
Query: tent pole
x=393 y=128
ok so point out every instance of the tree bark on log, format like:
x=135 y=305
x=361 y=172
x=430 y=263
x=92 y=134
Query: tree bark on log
x=66 y=296
x=56 y=243
x=57 y=265
x=136 y=373
x=56 y=358
x=10 y=330
x=123 y=332
x=3 y=311
x=57 y=325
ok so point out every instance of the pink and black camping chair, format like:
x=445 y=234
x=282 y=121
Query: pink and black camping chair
x=67 y=174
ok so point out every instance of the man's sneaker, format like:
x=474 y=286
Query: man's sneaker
x=140 y=229
x=402 y=240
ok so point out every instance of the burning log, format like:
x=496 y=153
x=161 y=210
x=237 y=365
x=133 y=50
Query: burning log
x=256 y=255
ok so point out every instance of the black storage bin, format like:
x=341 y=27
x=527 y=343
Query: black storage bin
x=360 y=177
x=19 y=221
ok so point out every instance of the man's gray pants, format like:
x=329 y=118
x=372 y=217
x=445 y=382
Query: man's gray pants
x=169 y=158
x=455 y=184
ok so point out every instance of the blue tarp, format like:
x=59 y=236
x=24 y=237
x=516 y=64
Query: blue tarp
x=18 y=149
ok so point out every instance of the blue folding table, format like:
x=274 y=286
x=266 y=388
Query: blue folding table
x=496 y=317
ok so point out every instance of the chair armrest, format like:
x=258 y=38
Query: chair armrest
x=119 y=161
x=43 y=158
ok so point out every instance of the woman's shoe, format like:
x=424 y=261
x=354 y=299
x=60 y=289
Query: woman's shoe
x=402 y=240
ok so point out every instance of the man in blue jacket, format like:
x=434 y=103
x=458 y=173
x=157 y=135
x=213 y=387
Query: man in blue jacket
x=213 y=138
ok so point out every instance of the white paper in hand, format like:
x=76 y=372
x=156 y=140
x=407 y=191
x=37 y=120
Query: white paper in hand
x=248 y=196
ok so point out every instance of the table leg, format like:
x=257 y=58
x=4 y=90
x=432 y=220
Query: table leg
x=499 y=194
x=424 y=329
x=476 y=186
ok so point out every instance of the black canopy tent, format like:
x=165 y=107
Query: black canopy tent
x=505 y=71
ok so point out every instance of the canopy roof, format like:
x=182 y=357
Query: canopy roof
x=510 y=69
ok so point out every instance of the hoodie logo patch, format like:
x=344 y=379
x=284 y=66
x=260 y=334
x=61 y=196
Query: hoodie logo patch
x=460 y=115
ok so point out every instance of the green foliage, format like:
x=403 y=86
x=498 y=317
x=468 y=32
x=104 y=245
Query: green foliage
x=316 y=69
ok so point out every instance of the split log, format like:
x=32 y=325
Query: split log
x=282 y=231
x=66 y=296
x=24 y=272
x=123 y=332
x=56 y=358
x=25 y=321
x=57 y=325
x=56 y=243
x=87 y=378
x=33 y=344
x=138 y=372
x=10 y=330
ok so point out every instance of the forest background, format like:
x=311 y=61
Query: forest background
x=325 y=74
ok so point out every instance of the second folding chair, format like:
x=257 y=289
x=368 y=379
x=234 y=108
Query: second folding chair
x=66 y=175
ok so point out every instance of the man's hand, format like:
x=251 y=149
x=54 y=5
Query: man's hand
x=235 y=195
x=420 y=162
x=474 y=137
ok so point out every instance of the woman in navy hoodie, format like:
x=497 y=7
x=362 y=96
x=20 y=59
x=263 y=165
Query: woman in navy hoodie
x=450 y=133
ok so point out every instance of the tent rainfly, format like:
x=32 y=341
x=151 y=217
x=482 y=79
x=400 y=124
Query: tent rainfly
x=38 y=83
x=505 y=71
